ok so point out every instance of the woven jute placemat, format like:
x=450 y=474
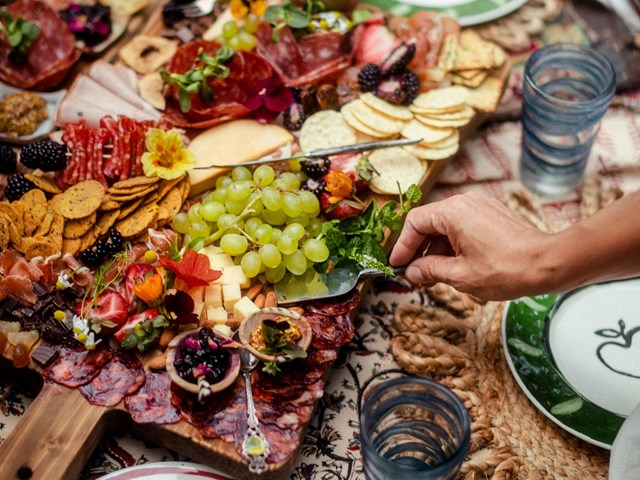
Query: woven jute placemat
x=458 y=343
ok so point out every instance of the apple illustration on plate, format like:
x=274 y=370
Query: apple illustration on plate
x=620 y=354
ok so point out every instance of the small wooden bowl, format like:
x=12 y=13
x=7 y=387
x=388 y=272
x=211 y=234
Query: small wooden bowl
x=232 y=372
x=253 y=321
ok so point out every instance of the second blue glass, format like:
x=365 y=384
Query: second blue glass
x=566 y=91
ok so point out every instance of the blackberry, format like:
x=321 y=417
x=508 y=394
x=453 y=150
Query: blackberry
x=17 y=186
x=172 y=14
x=294 y=116
x=314 y=185
x=45 y=155
x=113 y=243
x=7 y=159
x=398 y=59
x=95 y=255
x=399 y=89
x=316 y=167
x=369 y=77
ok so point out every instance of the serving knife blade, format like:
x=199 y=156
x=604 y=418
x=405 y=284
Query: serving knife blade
x=324 y=152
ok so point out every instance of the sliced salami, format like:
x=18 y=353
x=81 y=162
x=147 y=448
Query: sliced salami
x=331 y=331
x=337 y=306
x=246 y=71
x=152 y=403
x=75 y=367
x=50 y=56
x=122 y=376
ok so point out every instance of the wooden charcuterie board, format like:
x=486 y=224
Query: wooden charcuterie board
x=61 y=429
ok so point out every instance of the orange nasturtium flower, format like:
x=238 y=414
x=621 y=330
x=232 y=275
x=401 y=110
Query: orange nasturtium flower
x=339 y=185
x=166 y=156
x=150 y=291
x=258 y=7
x=238 y=8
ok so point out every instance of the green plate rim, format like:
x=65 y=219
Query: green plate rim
x=468 y=14
x=523 y=325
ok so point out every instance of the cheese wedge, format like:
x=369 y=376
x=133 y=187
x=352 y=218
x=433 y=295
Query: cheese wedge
x=230 y=143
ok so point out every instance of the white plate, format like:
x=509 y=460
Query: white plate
x=468 y=12
x=167 y=471
x=625 y=461
x=52 y=100
x=577 y=356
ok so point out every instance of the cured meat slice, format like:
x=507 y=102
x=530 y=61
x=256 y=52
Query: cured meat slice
x=313 y=58
x=50 y=56
x=152 y=403
x=331 y=332
x=122 y=376
x=336 y=306
x=75 y=367
x=19 y=287
x=247 y=70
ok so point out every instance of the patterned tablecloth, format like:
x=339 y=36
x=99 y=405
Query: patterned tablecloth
x=488 y=163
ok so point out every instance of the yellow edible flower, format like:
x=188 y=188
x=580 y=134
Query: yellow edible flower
x=166 y=156
x=339 y=185
x=150 y=290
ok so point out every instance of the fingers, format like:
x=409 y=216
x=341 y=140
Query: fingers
x=431 y=269
x=421 y=222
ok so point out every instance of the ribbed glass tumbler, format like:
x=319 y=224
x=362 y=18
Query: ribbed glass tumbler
x=413 y=429
x=566 y=91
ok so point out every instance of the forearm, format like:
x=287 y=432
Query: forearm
x=603 y=247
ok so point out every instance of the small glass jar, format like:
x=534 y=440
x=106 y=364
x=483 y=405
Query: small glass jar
x=413 y=429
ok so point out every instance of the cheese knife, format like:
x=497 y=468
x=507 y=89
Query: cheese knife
x=324 y=152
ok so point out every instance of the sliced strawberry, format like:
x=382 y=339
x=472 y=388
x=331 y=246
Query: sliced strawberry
x=109 y=310
x=374 y=44
x=136 y=274
x=133 y=320
x=343 y=209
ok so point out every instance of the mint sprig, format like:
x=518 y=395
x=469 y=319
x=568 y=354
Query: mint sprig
x=20 y=34
x=195 y=80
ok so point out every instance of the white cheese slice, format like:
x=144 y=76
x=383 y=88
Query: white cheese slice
x=216 y=314
x=230 y=143
x=234 y=274
x=213 y=295
x=220 y=261
x=232 y=295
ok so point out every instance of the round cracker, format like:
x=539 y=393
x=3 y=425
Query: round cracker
x=374 y=119
x=352 y=120
x=135 y=182
x=399 y=112
x=394 y=166
x=138 y=221
x=429 y=135
x=442 y=98
x=170 y=205
x=77 y=228
x=426 y=153
x=434 y=122
x=450 y=141
x=106 y=220
x=45 y=184
x=81 y=200
x=71 y=246
x=5 y=231
x=325 y=129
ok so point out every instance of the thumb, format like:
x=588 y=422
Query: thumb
x=430 y=269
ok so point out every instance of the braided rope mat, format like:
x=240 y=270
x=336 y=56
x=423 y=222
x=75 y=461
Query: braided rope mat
x=457 y=342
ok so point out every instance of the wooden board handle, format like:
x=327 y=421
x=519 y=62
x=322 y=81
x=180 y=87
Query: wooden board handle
x=55 y=437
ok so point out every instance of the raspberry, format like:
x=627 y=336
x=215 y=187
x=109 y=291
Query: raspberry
x=17 y=186
x=369 y=77
x=45 y=155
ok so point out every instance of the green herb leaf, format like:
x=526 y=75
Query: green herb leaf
x=129 y=342
x=359 y=15
x=413 y=194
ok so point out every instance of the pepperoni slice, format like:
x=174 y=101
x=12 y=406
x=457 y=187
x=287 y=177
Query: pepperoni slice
x=122 y=376
x=152 y=403
x=50 y=56
x=246 y=71
x=336 y=306
x=75 y=367
x=331 y=332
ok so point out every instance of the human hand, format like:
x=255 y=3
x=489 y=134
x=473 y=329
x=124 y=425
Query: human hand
x=473 y=243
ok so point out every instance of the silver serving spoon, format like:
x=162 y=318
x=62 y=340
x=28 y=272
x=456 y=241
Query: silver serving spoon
x=255 y=446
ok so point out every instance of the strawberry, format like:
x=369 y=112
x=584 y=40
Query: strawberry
x=136 y=274
x=356 y=166
x=110 y=310
x=375 y=42
x=133 y=320
x=343 y=209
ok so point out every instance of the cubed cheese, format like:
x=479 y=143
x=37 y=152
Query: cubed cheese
x=218 y=261
x=231 y=295
x=224 y=330
x=213 y=295
x=243 y=308
x=198 y=307
x=216 y=314
x=234 y=274
x=211 y=250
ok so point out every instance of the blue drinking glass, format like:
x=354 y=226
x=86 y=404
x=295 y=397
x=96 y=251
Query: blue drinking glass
x=566 y=91
x=413 y=429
